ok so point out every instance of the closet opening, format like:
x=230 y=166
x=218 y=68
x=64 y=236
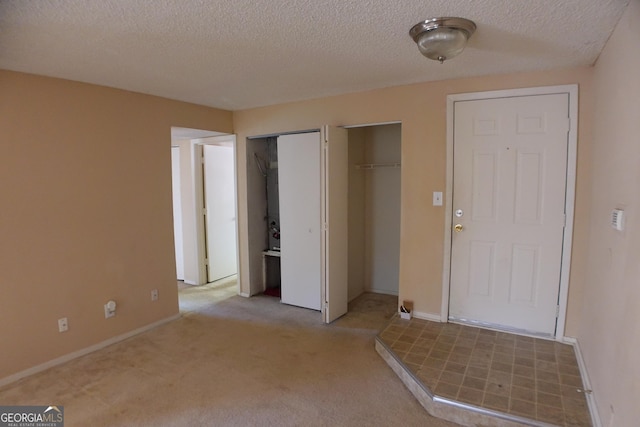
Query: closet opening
x=294 y=181
x=284 y=175
x=264 y=162
x=374 y=209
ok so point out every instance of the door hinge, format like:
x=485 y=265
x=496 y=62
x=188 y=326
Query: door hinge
x=324 y=226
x=206 y=261
x=204 y=211
x=557 y=311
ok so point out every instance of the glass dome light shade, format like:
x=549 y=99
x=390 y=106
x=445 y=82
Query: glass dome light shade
x=442 y=38
x=442 y=43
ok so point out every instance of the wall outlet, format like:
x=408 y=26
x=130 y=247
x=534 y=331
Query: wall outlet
x=109 y=309
x=63 y=325
x=154 y=295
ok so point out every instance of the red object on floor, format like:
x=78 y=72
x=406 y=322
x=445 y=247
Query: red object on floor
x=273 y=292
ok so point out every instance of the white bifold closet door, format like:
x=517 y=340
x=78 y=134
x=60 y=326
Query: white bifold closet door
x=300 y=190
x=335 y=200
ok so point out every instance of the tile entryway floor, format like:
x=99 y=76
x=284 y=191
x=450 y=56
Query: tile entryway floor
x=522 y=376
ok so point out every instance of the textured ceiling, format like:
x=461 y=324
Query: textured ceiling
x=237 y=54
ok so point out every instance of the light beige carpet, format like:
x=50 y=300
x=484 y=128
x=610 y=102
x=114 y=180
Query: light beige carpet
x=233 y=361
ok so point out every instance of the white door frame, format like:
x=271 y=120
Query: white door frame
x=572 y=91
x=176 y=196
x=197 y=175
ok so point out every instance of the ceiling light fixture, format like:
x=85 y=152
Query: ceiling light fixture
x=442 y=38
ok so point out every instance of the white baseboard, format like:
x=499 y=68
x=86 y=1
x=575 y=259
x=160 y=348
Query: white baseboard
x=427 y=316
x=244 y=294
x=591 y=399
x=67 y=357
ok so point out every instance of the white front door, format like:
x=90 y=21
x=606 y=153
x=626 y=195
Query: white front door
x=300 y=191
x=220 y=205
x=509 y=187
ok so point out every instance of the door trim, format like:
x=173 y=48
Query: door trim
x=572 y=140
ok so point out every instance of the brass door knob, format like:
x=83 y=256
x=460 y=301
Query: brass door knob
x=458 y=228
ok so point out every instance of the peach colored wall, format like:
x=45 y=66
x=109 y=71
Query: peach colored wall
x=86 y=212
x=609 y=334
x=357 y=213
x=422 y=110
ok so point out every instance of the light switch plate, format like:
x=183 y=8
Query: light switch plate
x=437 y=198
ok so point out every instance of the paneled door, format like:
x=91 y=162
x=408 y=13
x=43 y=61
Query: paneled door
x=509 y=187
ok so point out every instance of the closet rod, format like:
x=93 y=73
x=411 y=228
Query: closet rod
x=378 y=165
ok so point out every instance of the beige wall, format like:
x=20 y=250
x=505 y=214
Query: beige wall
x=86 y=212
x=610 y=334
x=356 y=213
x=422 y=110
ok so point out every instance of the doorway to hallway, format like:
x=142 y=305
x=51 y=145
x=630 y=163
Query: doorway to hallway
x=205 y=205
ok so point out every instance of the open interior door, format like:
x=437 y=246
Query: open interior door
x=220 y=203
x=335 y=218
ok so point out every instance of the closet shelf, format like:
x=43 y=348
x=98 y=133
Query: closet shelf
x=378 y=165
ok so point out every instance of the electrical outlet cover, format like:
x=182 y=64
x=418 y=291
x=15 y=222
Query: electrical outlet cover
x=63 y=324
x=107 y=312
